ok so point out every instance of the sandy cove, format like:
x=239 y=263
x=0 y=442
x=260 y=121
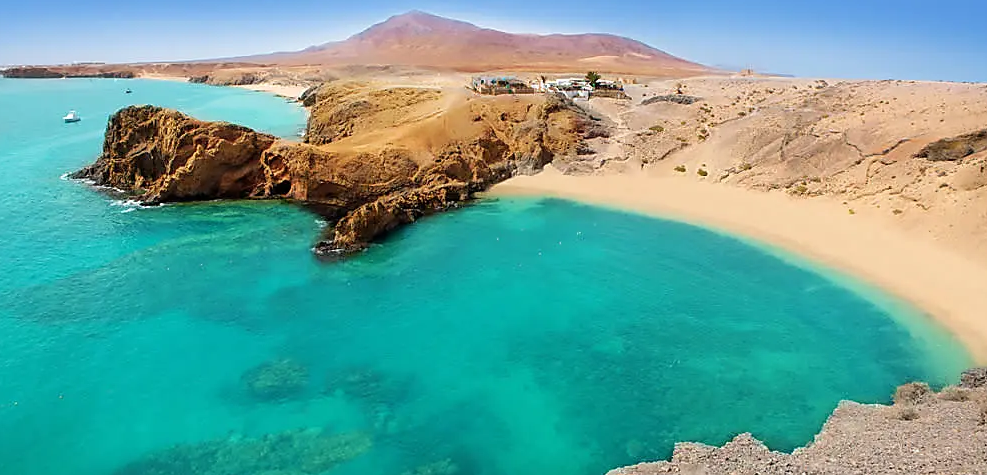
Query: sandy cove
x=948 y=286
x=287 y=91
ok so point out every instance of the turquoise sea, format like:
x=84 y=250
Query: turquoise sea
x=512 y=337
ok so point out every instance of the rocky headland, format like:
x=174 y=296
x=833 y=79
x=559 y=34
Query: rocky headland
x=376 y=157
x=54 y=72
x=923 y=432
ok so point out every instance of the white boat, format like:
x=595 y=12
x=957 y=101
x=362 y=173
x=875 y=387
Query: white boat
x=71 y=117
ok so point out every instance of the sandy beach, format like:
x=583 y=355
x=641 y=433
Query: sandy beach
x=948 y=286
x=291 y=92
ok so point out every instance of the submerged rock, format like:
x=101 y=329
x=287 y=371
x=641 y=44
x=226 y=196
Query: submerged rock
x=368 y=384
x=276 y=380
x=288 y=453
x=442 y=467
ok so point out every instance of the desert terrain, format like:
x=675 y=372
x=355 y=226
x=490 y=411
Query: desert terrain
x=886 y=180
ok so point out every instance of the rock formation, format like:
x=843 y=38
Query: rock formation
x=162 y=155
x=276 y=380
x=297 y=452
x=923 y=432
x=376 y=158
x=30 y=72
x=955 y=148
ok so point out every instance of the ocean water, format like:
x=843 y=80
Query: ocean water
x=512 y=337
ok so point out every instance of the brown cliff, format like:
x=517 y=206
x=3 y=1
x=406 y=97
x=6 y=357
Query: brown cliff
x=409 y=152
x=163 y=155
x=55 y=72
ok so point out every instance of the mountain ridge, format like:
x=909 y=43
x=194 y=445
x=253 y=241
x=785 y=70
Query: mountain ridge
x=421 y=39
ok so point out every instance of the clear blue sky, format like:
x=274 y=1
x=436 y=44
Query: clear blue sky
x=903 y=39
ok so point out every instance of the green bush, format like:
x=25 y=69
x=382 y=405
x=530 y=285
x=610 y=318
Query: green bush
x=741 y=113
x=656 y=129
x=680 y=168
x=702 y=172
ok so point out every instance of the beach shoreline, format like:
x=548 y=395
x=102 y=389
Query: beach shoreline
x=950 y=288
x=280 y=90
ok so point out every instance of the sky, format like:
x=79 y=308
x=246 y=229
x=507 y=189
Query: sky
x=865 y=39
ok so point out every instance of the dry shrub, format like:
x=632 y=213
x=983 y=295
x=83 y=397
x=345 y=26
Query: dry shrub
x=905 y=413
x=911 y=393
x=955 y=394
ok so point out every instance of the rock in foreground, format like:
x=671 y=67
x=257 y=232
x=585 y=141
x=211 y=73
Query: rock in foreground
x=942 y=433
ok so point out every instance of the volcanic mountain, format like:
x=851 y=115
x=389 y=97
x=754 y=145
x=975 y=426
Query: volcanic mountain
x=424 y=40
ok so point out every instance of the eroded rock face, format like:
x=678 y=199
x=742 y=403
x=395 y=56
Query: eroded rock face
x=29 y=72
x=408 y=153
x=974 y=378
x=163 y=155
x=955 y=148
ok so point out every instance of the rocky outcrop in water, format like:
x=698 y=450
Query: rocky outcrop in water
x=923 y=432
x=29 y=72
x=405 y=155
x=162 y=155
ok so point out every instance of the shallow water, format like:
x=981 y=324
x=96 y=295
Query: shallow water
x=521 y=336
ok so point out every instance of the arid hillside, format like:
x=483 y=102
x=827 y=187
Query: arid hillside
x=423 y=40
x=414 y=40
x=913 y=153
